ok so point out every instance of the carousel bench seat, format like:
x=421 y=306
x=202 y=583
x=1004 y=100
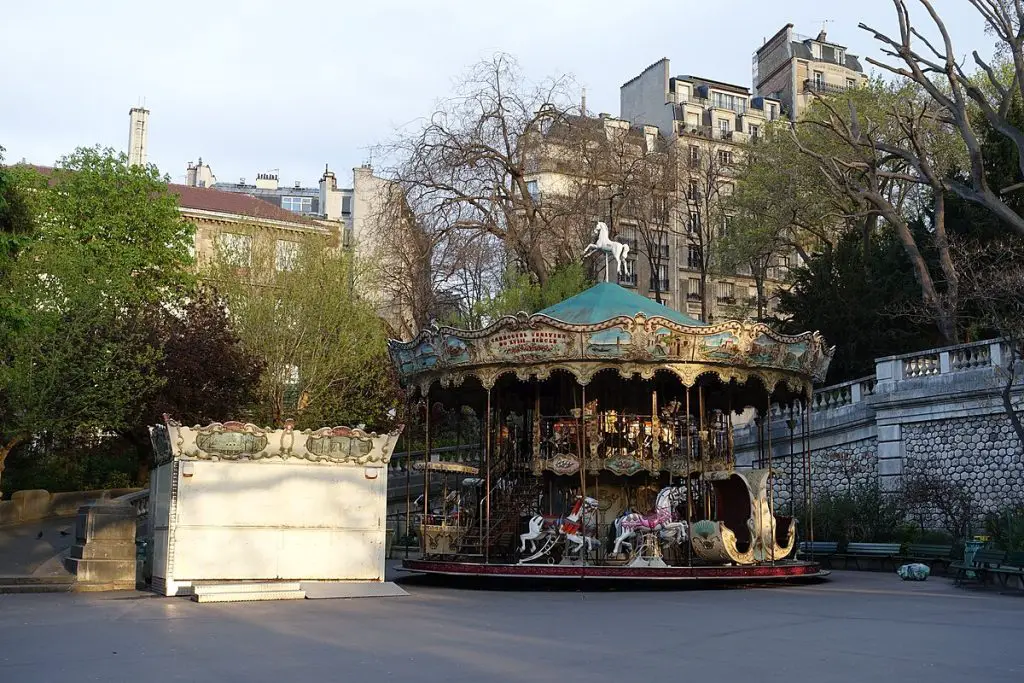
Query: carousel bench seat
x=818 y=550
x=868 y=552
x=933 y=555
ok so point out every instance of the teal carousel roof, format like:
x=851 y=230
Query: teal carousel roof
x=608 y=327
x=607 y=301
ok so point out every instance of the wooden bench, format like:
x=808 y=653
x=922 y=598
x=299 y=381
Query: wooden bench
x=880 y=552
x=1011 y=567
x=932 y=555
x=984 y=560
x=818 y=550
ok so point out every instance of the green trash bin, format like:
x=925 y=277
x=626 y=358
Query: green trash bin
x=389 y=541
x=970 y=548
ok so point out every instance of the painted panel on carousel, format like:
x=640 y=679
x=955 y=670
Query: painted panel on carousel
x=610 y=342
x=529 y=345
x=723 y=346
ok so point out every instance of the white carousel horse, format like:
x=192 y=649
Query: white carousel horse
x=662 y=520
x=618 y=250
x=538 y=531
x=580 y=527
x=577 y=529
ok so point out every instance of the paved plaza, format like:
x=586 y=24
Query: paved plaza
x=857 y=627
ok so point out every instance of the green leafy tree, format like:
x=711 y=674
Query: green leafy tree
x=323 y=348
x=108 y=238
x=521 y=292
x=859 y=304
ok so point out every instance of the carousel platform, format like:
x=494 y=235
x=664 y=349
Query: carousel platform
x=780 y=572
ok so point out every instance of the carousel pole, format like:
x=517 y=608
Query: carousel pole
x=703 y=454
x=487 y=482
x=689 y=479
x=426 y=476
x=408 y=479
x=810 y=476
x=580 y=442
x=768 y=479
x=791 y=425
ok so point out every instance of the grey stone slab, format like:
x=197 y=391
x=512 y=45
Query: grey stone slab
x=318 y=590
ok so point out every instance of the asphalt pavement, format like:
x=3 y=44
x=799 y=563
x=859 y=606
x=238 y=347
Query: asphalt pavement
x=856 y=627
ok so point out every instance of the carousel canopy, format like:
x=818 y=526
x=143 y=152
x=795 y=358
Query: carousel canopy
x=607 y=301
x=608 y=327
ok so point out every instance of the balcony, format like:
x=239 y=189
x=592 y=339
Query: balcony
x=628 y=280
x=727 y=300
x=821 y=87
x=694 y=297
x=658 y=285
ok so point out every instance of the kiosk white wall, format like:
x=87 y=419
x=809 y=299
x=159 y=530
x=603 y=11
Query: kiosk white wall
x=233 y=502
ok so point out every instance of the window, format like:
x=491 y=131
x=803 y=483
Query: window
x=693 y=289
x=531 y=187
x=285 y=255
x=819 y=80
x=236 y=250
x=346 y=204
x=726 y=292
x=693 y=257
x=723 y=128
x=693 y=224
x=297 y=204
x=694 y=154
x=724 y=228
x=693 y=193
x=850 y=83
x=732 y=102
x=659 y=283
x=754 y=131
x=724 y=157
x=684 y=93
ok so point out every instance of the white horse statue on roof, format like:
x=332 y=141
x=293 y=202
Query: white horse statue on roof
x=618 y=251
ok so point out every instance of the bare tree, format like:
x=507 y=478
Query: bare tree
x=466 y=168
x=885 y=160
x=960 y=98
x=706 y=170
x=992 y=276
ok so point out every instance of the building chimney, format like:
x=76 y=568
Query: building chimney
x=330 y=196
x=138 y=131
x=821 y=36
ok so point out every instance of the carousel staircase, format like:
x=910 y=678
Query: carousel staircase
x=514 y=491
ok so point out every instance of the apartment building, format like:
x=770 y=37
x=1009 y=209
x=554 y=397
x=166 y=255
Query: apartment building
x=708 y=122
x=793 y=68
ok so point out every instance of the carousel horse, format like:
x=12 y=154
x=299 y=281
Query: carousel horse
x=546 y=530
x=580 y=526
x=618 y=250
x=661 y=521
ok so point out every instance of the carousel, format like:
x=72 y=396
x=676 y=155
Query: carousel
x=607 y=452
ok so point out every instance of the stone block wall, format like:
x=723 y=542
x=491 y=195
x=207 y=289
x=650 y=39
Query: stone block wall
x=936 y=412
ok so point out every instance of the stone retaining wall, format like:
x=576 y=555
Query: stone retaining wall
x=30 y=505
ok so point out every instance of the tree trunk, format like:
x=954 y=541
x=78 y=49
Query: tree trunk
x=759 y=285
x=704 y=296
x=5 y=450
x=1007 y=396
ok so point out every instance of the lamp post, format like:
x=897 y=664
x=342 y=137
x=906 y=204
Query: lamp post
x=791 y=425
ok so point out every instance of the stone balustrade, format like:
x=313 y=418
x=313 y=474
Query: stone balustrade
x=937 y=410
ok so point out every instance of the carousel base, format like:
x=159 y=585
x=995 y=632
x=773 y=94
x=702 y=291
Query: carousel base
x=780 y=572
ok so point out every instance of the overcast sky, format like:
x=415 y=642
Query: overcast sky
x=254 y=86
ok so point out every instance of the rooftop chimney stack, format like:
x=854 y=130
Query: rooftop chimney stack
x=138 y=131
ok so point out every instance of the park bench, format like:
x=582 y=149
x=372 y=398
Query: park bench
x=818 y=550
x=984 y=560
x=1011 y=567
x=932 y=555
x=880 y=552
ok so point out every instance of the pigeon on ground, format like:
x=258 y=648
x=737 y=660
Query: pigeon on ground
x=39 y=535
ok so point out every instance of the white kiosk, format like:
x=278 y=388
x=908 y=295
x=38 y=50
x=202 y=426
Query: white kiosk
x=241 y=513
